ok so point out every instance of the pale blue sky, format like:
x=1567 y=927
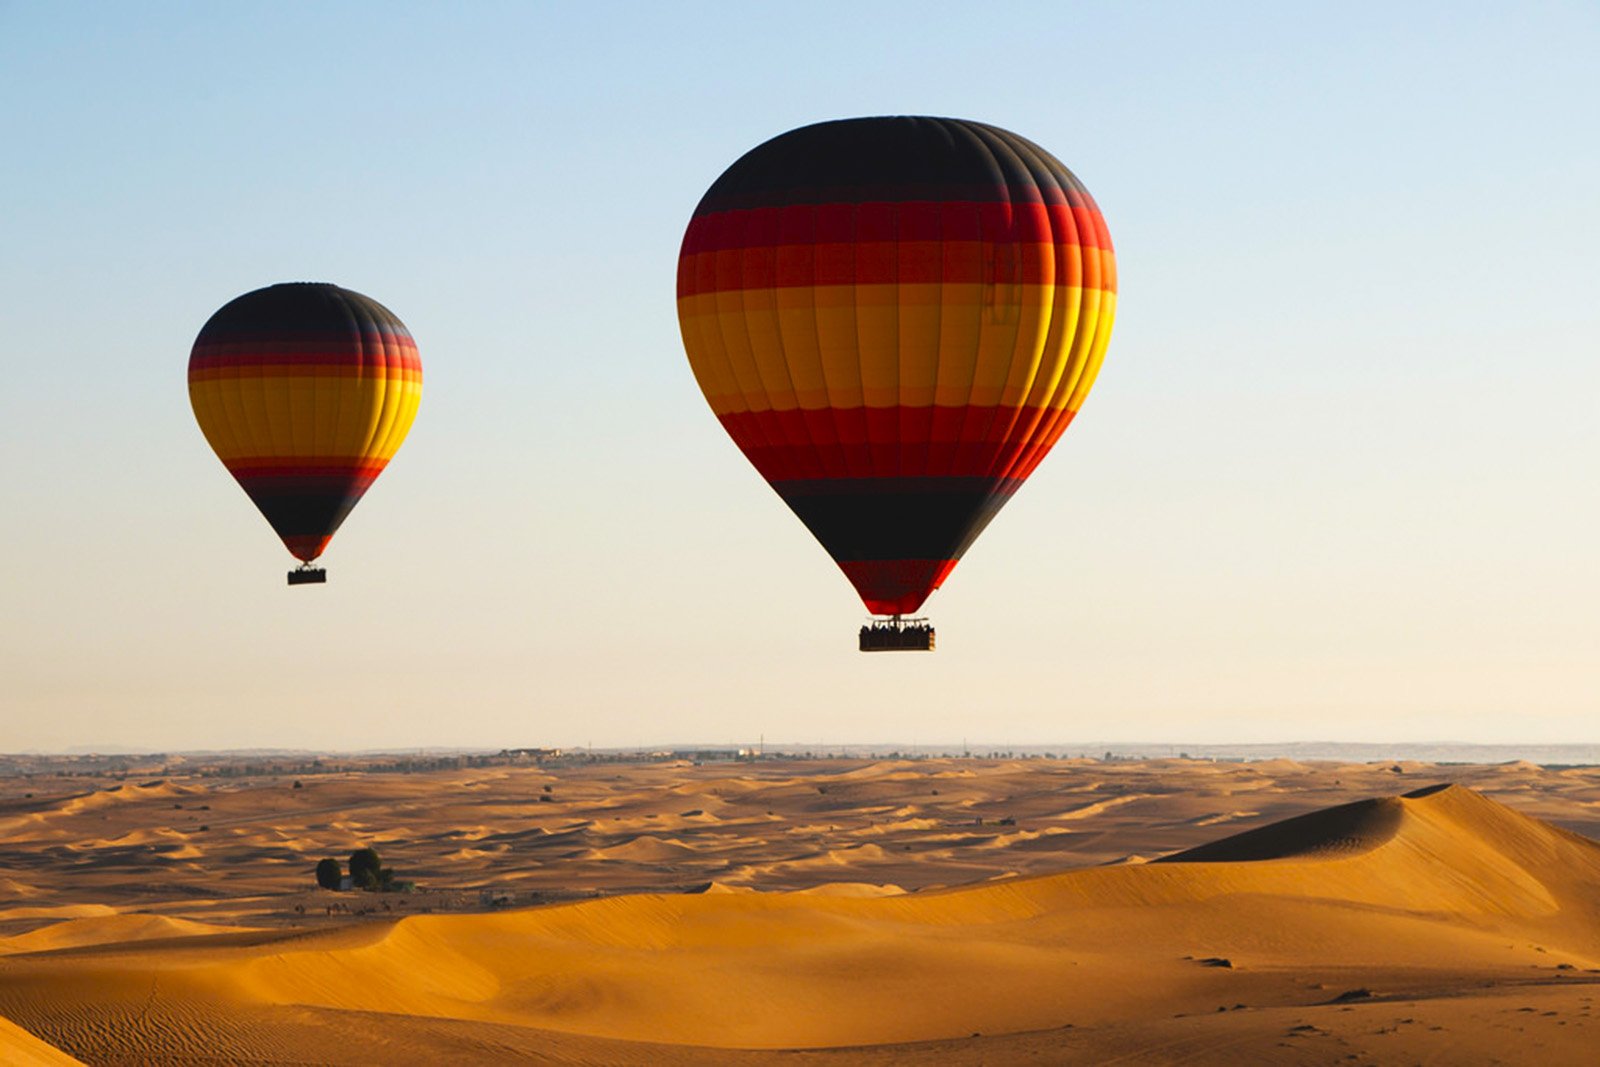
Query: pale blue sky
x=1337 y=480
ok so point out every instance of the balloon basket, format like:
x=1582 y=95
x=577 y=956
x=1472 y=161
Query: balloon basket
x=897 y=635
x=307 y=575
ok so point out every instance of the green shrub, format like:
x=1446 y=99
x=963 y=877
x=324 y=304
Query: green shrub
x=366 y=869
x=328 y=873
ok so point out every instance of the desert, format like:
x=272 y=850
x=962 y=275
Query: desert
x=806 y=910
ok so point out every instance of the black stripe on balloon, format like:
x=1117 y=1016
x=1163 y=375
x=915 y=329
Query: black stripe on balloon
x=304 y=507
x=316 y=309
x=896 y=518
x=893 y=158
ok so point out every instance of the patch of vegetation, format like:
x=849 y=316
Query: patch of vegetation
x=328 y=873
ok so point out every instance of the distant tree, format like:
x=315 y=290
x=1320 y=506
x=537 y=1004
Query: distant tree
x=366 y=869
x=328 y=873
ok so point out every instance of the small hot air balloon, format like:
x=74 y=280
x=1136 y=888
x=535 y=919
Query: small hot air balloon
x=895 y=319
x=305 y=391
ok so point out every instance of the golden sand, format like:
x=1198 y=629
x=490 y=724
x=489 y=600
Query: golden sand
x=1436 y=924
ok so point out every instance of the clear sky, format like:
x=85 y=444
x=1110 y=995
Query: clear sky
x=1337 y=480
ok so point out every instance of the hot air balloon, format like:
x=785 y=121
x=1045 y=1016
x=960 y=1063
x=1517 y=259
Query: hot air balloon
x=304 y=391
x=895 y=319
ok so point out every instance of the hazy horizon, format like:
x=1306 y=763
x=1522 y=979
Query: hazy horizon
x=1444 y=752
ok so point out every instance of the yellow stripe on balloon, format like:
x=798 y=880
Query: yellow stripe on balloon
x=258 y=416
x=845 y=346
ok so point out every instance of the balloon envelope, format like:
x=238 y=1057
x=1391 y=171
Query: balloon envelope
x=895 y=319
x=305 y=391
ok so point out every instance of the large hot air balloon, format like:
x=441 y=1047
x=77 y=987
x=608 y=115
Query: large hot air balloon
x=305 y=391
x=895 y=319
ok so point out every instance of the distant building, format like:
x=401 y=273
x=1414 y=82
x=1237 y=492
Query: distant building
x=712 y=755
x=535 y=754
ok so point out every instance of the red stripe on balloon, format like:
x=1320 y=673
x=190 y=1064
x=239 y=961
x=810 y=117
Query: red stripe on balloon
x=811 y=224
x=305 y=466
x=897 y=442
x=208 y=359
x=891 y=263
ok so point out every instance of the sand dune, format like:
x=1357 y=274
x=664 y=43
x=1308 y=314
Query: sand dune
x=1436 y=924
x=1446 y=875
x=108 y=930
x=1435 y=898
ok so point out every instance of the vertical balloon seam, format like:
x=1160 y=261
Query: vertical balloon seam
x=407 y=388
x=964 y=425
x=1053 y=177
x=369 y=353
x=1037 y=395
x=822 y=423
x=829 y=379
x=837 y=403
x=757 y=426
x=343 y=414
x=978 y=425
x=1096 y=253
x=396 y=392
x=713 y=353
x=730 y=280
x=931 y=468
x=233 y=409
x=1050 y=418
x=819 y=449
x=354 y=388
x=853 y=465
x=914 y=418
x=899 y=348
x=708 y=356
x=993 y=417
x=784 y=426
x=879 y=463
x=999 y=490
x=1091 y=250
x=746 y=376
x=1057 y=411
x=899 y=453
x=1008 y=412
x=1069 y=358
x=314 y=387
x=1093 y=298
x=1004 y=414
x=375 y=346
x=244 y=429
x=347 y=475
x=1108 y=283
x=1045 y=184
x=1032 y=394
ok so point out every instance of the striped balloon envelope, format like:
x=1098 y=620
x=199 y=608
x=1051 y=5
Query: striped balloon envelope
x=895 y=319
x=305 y=391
